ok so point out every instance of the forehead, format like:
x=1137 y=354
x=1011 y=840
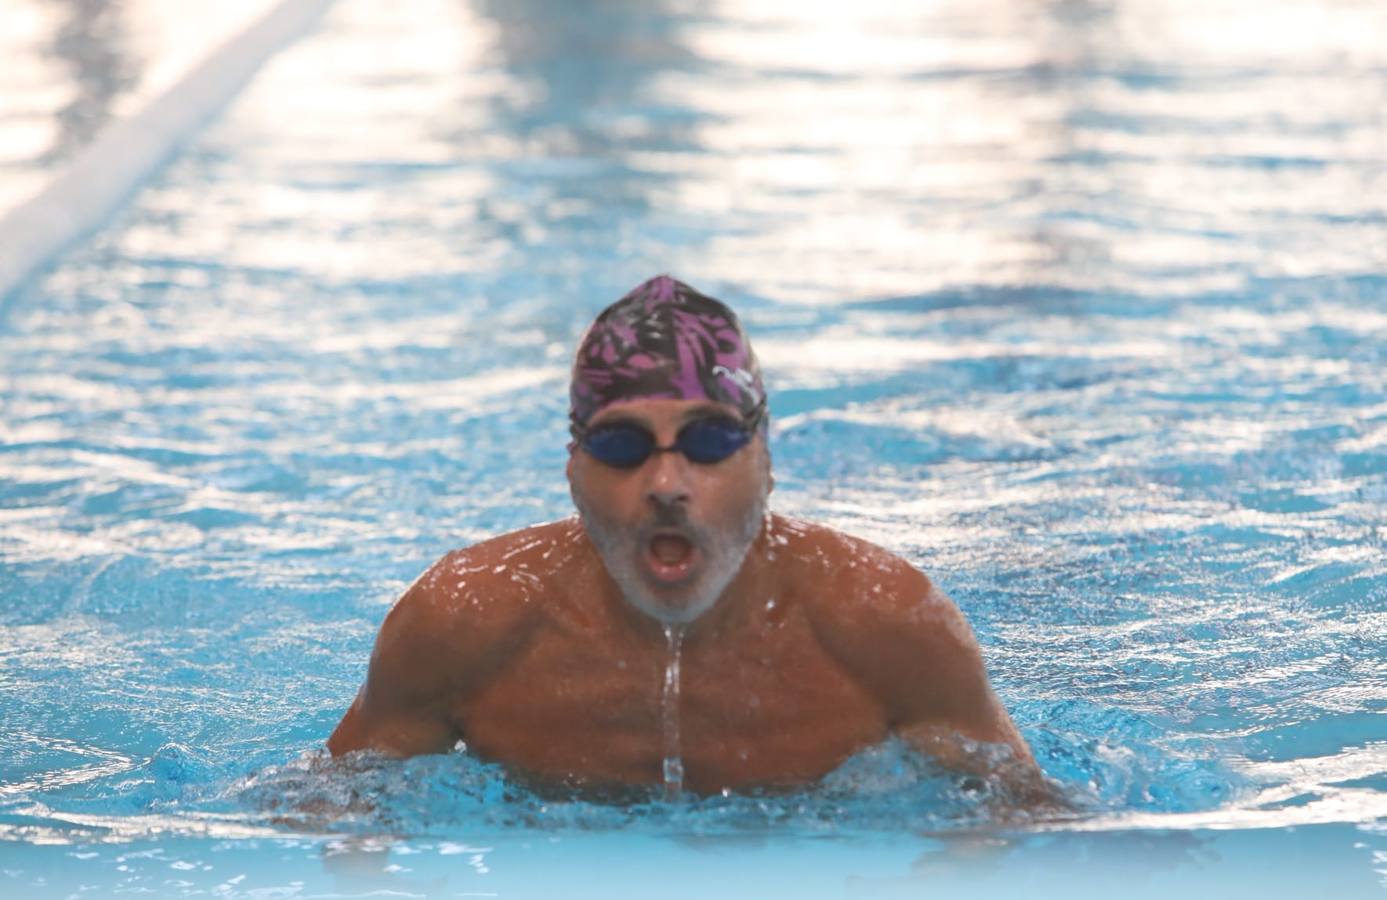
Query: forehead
x=654 y=412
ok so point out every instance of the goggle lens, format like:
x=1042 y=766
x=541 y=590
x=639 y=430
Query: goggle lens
x=704 y=441
x=622 y=446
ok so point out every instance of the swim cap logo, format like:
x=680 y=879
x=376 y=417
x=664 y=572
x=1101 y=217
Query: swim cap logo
x=741 y=376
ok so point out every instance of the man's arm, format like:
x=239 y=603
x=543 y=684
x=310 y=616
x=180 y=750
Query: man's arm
x=453 y=627
x=958 y=719
x=911 y=648
x=403 y=708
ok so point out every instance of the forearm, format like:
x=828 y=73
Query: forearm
x=1001 y=758
x=400 y=734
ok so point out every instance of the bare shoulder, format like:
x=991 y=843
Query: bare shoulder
x=908 y=645
x=473 y=601
x=883 y=619
x=457 y=624
x=853 y=586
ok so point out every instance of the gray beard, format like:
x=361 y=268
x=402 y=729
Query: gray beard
x=724 y=553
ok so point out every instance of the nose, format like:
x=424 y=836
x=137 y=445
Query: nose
x=668 y=479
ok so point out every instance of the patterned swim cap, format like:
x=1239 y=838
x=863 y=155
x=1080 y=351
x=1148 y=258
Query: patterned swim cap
x=665 y=340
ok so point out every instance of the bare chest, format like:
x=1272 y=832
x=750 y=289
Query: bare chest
x=772 y=709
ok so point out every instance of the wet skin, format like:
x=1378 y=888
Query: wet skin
x=526 y=648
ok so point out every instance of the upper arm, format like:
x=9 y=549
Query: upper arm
x=403 y=708
x=447 y=638
x=912 y=649
x=951 y=691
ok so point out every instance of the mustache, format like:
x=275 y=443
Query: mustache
x=670 y=515
x=676 y=517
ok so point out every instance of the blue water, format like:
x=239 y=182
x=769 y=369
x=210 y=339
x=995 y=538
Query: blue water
x=1080 y=307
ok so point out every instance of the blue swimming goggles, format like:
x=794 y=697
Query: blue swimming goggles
x=706 y=440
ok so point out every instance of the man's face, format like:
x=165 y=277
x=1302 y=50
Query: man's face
x=671 y=532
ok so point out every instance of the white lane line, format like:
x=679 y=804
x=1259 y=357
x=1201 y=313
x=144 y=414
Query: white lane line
x=97 y=181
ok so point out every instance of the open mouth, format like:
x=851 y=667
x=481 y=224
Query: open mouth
x=670 y=557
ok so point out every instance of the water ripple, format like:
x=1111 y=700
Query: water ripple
x=1079 y=307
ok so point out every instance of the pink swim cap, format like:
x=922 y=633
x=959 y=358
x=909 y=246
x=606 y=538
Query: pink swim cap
x=665 y=340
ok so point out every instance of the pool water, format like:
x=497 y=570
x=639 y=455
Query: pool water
x=72 y=68
x=1080 y=307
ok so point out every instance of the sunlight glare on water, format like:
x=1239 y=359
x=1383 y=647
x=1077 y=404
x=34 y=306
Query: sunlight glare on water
x=73 y=68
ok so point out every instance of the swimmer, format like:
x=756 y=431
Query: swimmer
x=547 y=649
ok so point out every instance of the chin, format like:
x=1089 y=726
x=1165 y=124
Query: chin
x=668 y=604
x=671 y=605
x=670 y=613
x=724 y=550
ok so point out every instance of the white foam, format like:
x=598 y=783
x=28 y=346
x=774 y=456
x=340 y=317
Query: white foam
x=98 y=180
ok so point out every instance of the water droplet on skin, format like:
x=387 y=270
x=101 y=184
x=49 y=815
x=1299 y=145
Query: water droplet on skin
x=673 y=767
x=674 y=777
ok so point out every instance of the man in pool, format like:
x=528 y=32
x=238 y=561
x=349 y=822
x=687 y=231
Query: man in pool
x=675 y=617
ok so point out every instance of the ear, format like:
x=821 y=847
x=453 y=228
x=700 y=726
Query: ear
x=572 y=485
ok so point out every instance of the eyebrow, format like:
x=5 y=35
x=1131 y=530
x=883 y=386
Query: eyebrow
x=704 y=411
x=621 y=417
